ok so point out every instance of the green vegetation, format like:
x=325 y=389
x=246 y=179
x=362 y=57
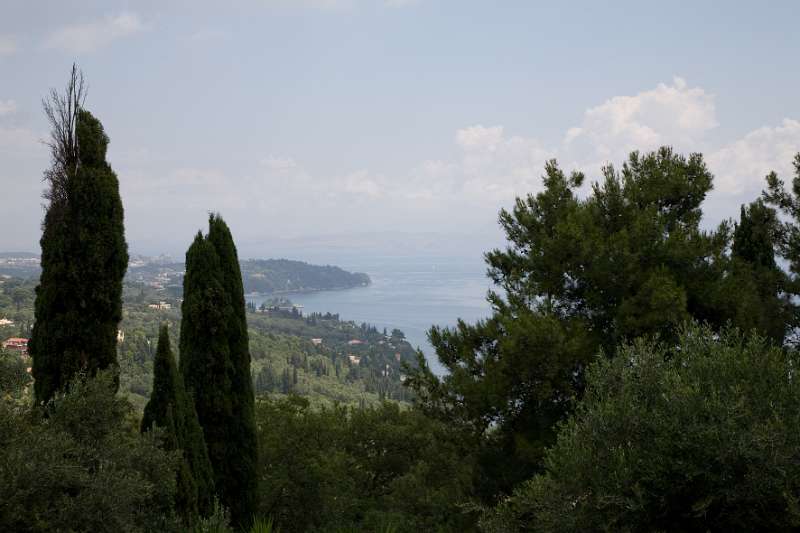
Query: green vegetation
x=697 y=436
x=583 y=275
x=84 y=254
x=638 y=374
x=359 y=469
x=83 y=467
x=283 y=275
x=14 y=378
x=171 y=409
x=280 y=344
x=215 y=363
x=335 y=370
x=265 y=276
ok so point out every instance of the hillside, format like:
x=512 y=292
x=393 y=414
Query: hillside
x=322 y=357
x=284 y=275
x=266 y=276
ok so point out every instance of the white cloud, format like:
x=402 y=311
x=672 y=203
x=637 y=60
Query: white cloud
x=8 y=45
x=674 y=115
x=491 y=168
x=277 y=163
x=479 y=137
x=494 y=166
x=86 y=37
x=740 y=167
x=362 y=183
x=7 y=107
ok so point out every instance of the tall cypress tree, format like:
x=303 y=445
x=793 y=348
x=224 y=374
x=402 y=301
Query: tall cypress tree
x=171 y=408
x=215 y=363
x=84 y=254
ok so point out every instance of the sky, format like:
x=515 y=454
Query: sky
x=327 y=127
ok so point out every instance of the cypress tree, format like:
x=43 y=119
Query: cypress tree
x=171 y=408
x=84 y=254
x=215 y=363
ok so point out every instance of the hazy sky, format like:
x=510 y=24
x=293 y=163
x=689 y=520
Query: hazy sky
x=325 y=123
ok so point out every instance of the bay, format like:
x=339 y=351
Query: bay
x=408 y=293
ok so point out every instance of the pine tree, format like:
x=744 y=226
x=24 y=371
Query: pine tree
x=757 y=287
x=215 y=362
x=754 y=236
x=84 y=254
x=171 y=408
x=580 y=275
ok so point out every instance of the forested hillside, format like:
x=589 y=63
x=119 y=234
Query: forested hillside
x=266 y=276
x=322 y=357
x=283 y=275
x=638 y=372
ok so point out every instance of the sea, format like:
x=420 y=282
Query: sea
x=408 y=293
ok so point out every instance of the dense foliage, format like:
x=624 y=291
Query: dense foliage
x=215 y=363
x=84 y=467
x=171 y=409
x=638 y=372
x=581 y=275
x=281 y=345
x=703 y=437
x=84 y=257
x=14 y=378
x=370 y=469
x=788 y=201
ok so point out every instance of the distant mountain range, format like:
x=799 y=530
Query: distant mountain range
x=267 y=276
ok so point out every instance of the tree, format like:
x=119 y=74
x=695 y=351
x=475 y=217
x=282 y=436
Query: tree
x=171 y=408
x=83 y=466
x=84 y=255
x=702 y=437
x=788 y=202
x=758 y=289
x=381 y=468
x=579 y=276
x=14 y=379
x=18 y=297
x=215 y=363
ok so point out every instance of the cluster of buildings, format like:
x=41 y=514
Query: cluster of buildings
x=23 y=261
x=16 y=344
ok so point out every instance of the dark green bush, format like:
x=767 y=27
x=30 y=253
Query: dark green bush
x=701 y=437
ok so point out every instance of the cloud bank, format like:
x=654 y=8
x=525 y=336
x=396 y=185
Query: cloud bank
x=492 y=167
x=93 y=35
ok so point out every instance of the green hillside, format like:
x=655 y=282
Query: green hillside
x=348 y=363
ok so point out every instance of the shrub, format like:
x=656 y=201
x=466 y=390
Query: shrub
x=701 y=437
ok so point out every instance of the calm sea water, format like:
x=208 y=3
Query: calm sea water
x=410 y=294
